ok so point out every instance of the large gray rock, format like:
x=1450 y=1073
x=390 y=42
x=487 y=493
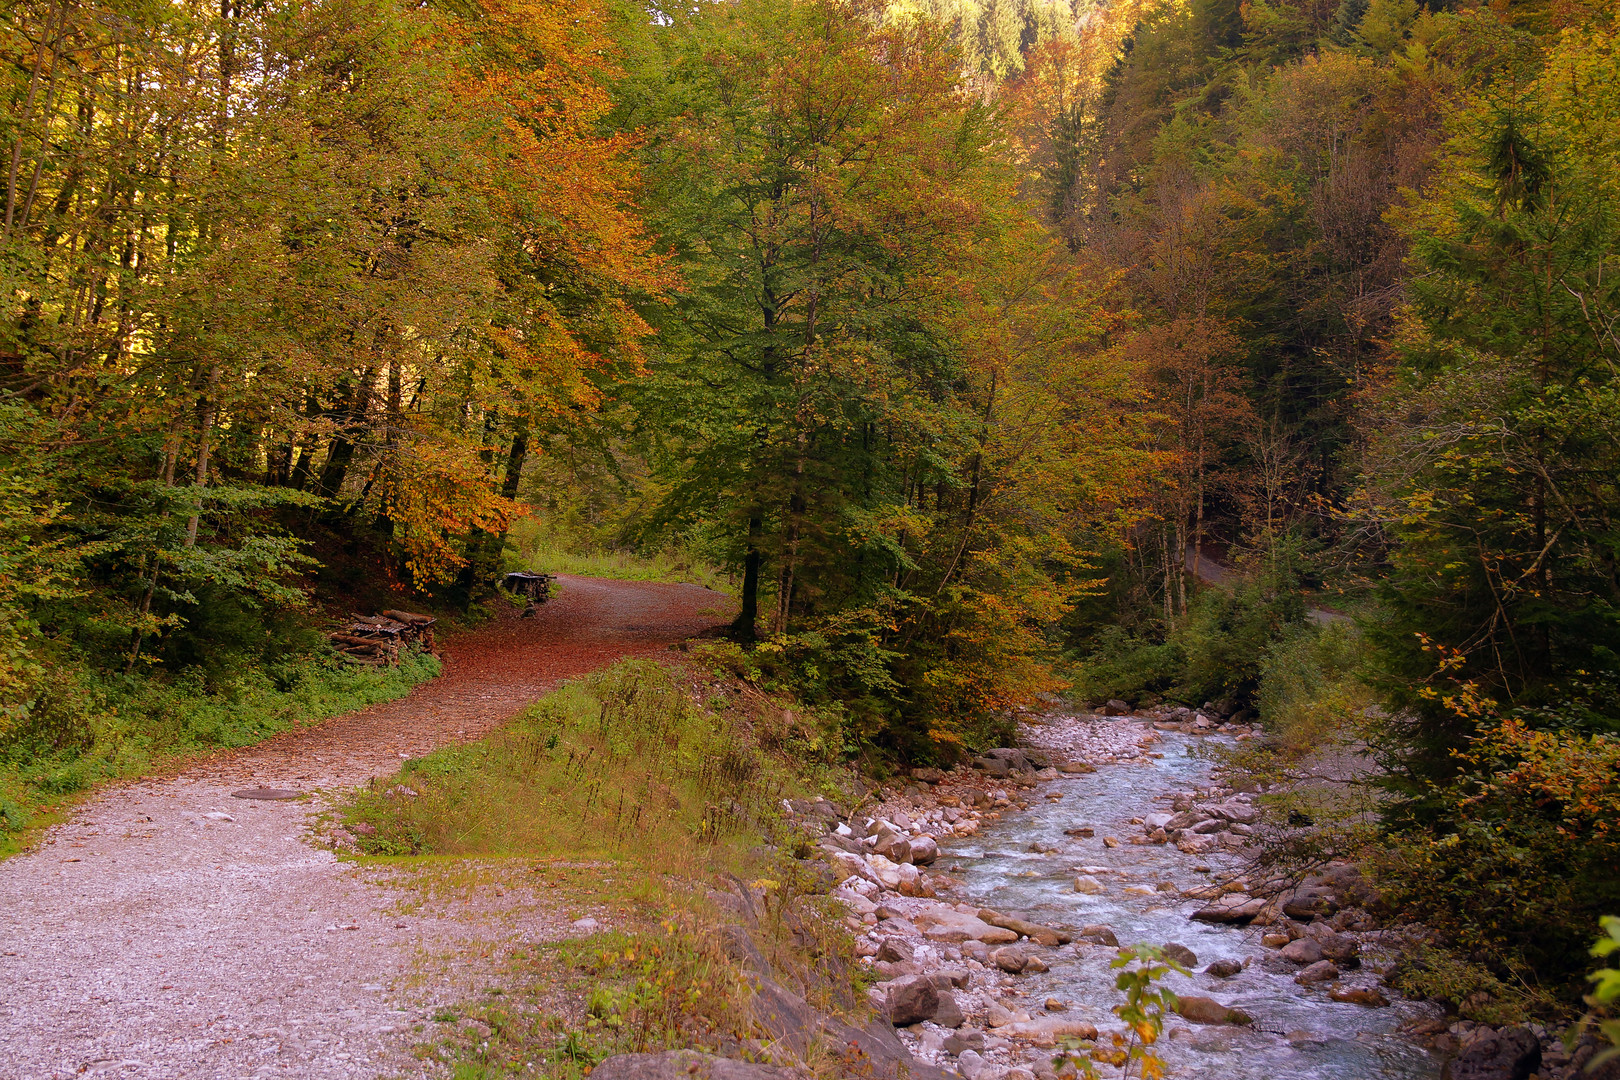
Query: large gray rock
x=1510 y=1054
x=1003 y=761
x=949 y=1014
x=684 y=1065
x=911 y=1000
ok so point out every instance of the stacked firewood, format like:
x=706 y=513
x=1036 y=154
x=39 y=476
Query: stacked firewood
x=379 y=639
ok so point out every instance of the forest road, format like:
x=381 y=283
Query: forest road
x=171 y=930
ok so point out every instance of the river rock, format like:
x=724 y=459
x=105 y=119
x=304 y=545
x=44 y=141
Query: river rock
x=1088 y=885
x=1224 y=969
x=1047 y=1030
x=1335 y=946
x=923 y=850
x=949 y=926
x=1510 y=1054
x=1237 y=812
x=1004 y=761
x=999 y=1016
x=949 y=1013
x=1304 y=951
x=1180 y=954
x=895 y=949
x=1320 y=972
x=1359 y=995
x=1231 y=908
x=1010 y=958
x=1203 y=1010
x=1098 y=934
x=1084 y=832
x=1045 y=935
x=911 y=1000
x=1034 y=965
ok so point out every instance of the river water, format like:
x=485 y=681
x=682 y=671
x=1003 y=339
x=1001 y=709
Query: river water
x=1298 y=1032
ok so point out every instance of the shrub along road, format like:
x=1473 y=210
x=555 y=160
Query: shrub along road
x=171 y=930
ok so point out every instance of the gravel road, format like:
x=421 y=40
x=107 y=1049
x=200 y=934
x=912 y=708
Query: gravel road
x=171 y=930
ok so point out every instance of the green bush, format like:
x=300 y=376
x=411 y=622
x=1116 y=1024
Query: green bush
x=1214 y=653
x=1308 y=686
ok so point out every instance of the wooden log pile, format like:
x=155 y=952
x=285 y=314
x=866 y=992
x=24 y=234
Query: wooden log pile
x=378 y=640
x=537 y=587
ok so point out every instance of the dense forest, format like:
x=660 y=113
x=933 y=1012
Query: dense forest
x=1261 y=354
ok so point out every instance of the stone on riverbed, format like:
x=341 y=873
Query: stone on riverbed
x=1180 y=954
x=1320 y=972
x=911 y=1000
x=1231 y=908
x=1224 y=969
x=1010 y=958
x=1045 y=935
x=949 y=926
x=1098 y=934
x=1304 y=951
x=1203 y=1010
x=1088 y=885
x=1360 y=995
x=1047 y=1030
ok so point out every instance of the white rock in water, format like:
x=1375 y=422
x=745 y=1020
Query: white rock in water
x=1088 y=885
x=1141 y=890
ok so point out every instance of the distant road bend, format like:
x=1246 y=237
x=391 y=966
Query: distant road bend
x=172 y=931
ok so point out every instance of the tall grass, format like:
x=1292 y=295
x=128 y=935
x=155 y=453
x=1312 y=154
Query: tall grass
x=532 y=544
x=623 y=764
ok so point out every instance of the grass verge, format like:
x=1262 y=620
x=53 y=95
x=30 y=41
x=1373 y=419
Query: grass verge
x=109 y=727
x=628 y=796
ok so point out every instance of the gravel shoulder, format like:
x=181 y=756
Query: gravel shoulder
x=171 y=930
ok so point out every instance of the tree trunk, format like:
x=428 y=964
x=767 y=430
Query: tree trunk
x=743 y=629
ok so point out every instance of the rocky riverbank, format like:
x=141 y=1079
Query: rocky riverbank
x=967 y=985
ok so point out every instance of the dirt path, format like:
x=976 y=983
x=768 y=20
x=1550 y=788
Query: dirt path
x=147 y=938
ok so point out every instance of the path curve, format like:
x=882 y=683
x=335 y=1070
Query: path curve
x=147 y=939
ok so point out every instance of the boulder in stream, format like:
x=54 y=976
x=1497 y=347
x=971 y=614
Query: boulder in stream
x=1231 y=908
x=1087 y=885
x=1320 y=972
x=1097 y=934
x=1510 y=1054
x=1304 y=951
x=1180 y=954
x=1204 y=1010
x=1224 y=969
